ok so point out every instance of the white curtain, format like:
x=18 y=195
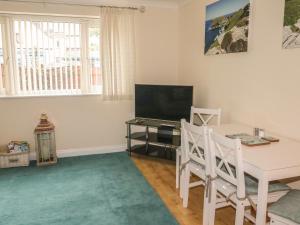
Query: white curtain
x=117 y=44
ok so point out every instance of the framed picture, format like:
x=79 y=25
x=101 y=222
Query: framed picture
x=227 y=27
x=291 y=24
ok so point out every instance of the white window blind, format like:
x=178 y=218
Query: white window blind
x=53 y=56
x=94 y=58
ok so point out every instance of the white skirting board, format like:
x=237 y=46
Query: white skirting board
x=86 y=151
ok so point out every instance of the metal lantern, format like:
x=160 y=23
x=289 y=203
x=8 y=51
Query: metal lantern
x=45 y=142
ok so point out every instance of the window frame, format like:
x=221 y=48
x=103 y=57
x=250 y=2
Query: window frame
x=9 y=52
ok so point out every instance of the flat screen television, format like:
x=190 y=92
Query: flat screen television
x=163 y=102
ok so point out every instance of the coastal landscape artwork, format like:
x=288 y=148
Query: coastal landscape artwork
x=227 y=27
x=291 y=26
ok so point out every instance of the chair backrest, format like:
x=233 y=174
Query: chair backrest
x=205 y=115
x=194 y=143
x=226 y=160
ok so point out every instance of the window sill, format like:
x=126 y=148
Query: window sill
x=48 y=96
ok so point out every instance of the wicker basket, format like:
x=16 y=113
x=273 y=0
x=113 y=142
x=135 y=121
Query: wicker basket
x=8 y=160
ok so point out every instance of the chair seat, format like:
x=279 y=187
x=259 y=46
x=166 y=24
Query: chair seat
x=252 y=186
x=288 y=206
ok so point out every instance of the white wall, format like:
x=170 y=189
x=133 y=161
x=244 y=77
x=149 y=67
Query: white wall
x=157 y=46
x=259 y=88
x=87 y=121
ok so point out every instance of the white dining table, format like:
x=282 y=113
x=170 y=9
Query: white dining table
x=275 y=161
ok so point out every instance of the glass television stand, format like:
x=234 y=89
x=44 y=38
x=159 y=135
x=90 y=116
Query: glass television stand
x=158 y=138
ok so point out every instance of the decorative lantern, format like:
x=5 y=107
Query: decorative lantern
x=45 y=142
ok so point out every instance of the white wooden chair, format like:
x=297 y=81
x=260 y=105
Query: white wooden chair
x=195 y=149
x=232 y=179
x=204 y=116
x=286 y=211
x=229 y=186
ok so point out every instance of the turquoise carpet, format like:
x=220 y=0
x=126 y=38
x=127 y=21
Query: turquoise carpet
x=91 y=190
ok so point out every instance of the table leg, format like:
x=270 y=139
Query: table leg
x=129 y=139
x=147 y=139
x=262 y=203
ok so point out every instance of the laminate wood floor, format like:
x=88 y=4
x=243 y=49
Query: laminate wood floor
x=161 y=175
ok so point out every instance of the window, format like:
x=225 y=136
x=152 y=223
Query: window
x=51 y=56
x=94 y=58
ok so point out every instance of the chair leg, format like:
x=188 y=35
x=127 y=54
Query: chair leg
x=181 y=182
x=240 y=213
x=186 y=186
x=211 y=209
x=206 y=210
x=178 y=159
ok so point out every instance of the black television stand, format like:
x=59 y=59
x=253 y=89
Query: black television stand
x=159 y=138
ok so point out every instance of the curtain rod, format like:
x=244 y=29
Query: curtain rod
x=142 y=9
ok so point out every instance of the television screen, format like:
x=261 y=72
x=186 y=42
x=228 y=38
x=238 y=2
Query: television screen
x=163 y=102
